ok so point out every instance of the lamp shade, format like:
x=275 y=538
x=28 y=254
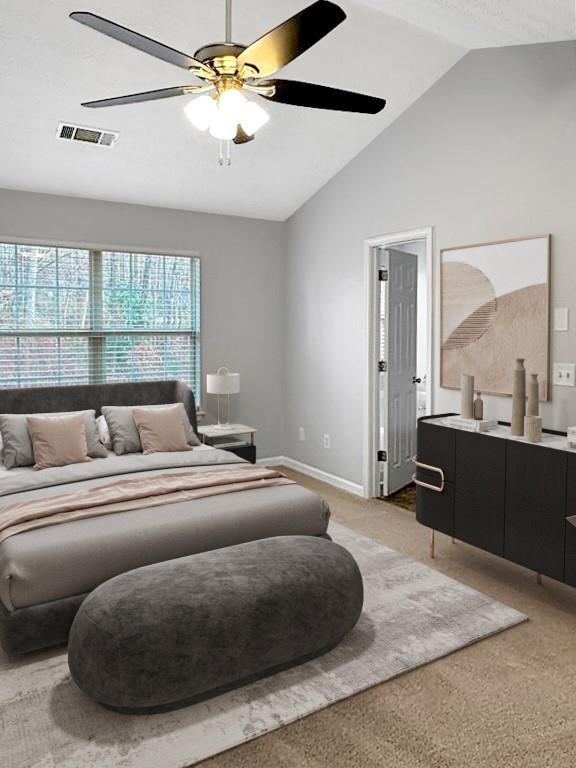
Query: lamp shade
x=223 y=382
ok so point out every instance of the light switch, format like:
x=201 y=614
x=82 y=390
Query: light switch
x=565 y=374
x=560 y=319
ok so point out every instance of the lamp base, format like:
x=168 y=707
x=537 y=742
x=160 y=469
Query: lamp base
x=222 y=426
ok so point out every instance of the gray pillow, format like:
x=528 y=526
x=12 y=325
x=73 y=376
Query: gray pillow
x=124 y=432
x=18 y=451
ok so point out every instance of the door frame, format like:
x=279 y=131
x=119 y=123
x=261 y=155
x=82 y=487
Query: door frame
x=371 y=284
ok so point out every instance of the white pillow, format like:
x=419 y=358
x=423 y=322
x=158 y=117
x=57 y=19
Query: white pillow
x=104 y=432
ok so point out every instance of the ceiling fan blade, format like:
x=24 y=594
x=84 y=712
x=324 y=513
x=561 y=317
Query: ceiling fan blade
x=321 y=97
x=287 y=41
x=242 y=137
x=134 y=98
x=141 y=42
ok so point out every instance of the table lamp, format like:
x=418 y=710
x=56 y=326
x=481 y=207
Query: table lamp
x=223 y=383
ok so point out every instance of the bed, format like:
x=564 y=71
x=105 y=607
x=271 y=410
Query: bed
x=46 y=573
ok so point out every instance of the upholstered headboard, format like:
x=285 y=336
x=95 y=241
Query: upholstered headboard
x=82 y=397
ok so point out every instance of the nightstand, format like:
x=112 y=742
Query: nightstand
x=236 y=438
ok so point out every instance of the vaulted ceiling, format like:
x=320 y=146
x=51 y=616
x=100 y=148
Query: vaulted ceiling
x=487 y=23
x=396 y=49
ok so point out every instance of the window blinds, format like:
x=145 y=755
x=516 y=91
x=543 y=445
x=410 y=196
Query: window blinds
x=74 y=316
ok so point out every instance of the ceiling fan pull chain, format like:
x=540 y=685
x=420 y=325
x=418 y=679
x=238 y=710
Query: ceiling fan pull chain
x=228 y=21
x=224 y=152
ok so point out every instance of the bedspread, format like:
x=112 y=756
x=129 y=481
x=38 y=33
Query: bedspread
x=125 y=495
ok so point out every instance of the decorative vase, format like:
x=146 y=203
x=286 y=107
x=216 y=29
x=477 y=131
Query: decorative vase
x=467 y=396
x=478 y=407
x=518 y=399
x=533 y=429
x=532 y=409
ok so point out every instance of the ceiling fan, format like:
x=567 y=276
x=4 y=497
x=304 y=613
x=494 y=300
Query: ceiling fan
x=228 y=70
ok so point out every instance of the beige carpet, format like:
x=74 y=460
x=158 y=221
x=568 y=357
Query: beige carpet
x=508 y=702
x=412 y=615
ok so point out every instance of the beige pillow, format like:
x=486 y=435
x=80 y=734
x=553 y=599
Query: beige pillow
x=161 y=429
x=58 y=440
x=123 y=429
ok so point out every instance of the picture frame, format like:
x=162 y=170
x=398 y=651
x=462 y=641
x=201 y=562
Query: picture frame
x=494 y=308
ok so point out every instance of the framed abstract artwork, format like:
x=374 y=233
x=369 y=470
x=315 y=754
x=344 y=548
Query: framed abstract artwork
x=495 y=307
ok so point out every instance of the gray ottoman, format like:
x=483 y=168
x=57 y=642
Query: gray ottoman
x=169 y=634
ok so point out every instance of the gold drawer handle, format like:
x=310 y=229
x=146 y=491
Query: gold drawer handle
x=422 y=484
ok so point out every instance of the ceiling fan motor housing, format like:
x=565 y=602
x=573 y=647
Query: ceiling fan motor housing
x=221 y=56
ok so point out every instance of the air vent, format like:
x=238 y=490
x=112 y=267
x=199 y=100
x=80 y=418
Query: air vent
x=66 y=132
x=87 y=135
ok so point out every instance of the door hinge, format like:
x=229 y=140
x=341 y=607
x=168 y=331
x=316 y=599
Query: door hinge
x=383 y=275
x=382 y=366
x=382 y=455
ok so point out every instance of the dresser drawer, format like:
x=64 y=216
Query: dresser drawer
x=437 y=446
x=536 y=508
x=435 y=508
x=480 y=491
x=570 y=557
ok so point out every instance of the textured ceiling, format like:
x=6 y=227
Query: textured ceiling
x=487 y=23
x=49 y=64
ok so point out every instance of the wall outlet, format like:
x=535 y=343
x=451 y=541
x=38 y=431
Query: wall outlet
x=326 y=441
x=301 y=434
x=565 y=374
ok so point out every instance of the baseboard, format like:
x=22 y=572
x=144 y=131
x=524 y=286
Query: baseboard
x=317 y=474
x=273 y=461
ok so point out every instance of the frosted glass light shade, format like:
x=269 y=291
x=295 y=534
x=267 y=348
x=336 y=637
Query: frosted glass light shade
x=223 y=383
x=253 y=118
x=201 y=112
x=232 y=104
x=222 y=115
x=222 y=127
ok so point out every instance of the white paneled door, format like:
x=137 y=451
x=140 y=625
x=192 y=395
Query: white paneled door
x=398 y=272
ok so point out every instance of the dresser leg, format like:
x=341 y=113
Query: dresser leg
x=432 y=541
x=538 y=578
x=453 y=540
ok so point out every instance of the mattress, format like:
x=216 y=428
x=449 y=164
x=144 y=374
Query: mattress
x=60 y=561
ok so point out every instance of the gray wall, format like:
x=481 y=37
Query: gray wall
x=488 y=153
x=242 y=284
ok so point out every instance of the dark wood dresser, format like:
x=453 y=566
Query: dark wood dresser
x=500 y=493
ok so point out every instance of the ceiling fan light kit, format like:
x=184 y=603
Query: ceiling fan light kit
x=201 y=112
x=229 y=70
x=222 y=115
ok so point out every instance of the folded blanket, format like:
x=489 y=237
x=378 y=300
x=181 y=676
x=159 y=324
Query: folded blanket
x=125 y=495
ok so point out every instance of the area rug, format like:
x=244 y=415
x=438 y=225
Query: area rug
x=412 y=615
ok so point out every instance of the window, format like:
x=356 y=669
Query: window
x=72 y=316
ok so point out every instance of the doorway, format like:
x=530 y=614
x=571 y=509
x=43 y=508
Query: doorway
x=399 y=278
